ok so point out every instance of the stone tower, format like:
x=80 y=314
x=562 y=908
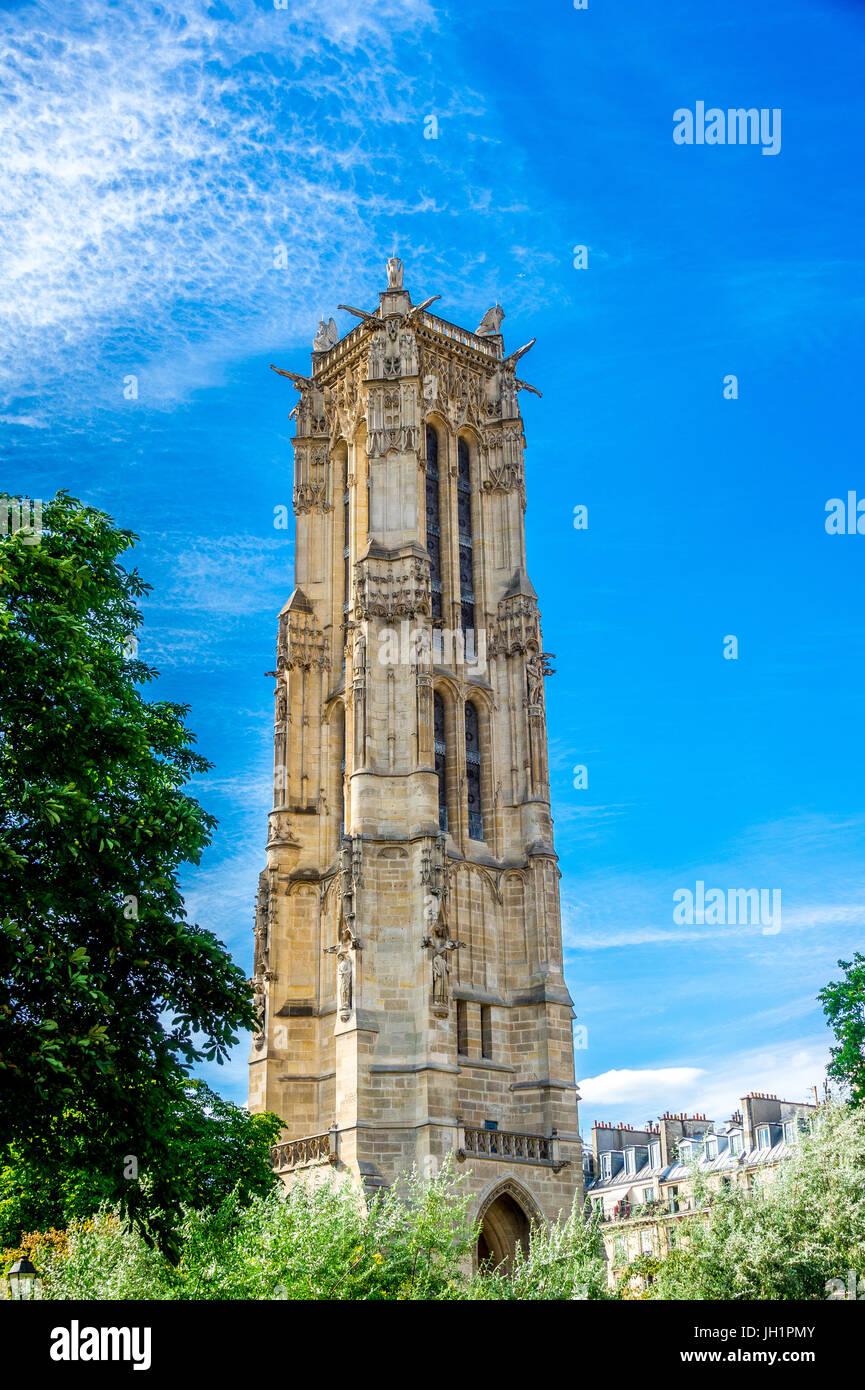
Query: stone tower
x=408 y=961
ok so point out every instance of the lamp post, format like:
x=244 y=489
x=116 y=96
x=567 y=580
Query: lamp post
x=22 y=1279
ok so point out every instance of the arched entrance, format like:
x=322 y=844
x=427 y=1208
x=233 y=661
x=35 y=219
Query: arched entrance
x=506 y=1217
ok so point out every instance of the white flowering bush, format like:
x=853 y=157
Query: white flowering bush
x=788 y=1239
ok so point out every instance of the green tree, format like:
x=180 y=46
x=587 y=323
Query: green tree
x=107 y=993
x=844 y=1005
x=318 y=1240
x=207 y=1150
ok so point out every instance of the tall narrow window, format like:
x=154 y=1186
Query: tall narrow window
x=473 y=772
x=464 y=528
x=346 y=550
x=462 y=1028
x=433 y=520
x=346 y=566
x=486 y=1032
x=342 y=777
x=440 y=752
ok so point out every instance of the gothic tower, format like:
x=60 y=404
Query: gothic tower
x=408 y=961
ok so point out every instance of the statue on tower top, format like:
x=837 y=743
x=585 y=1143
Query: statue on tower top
x=491 y=322
x=326 y=337
x=394 y=273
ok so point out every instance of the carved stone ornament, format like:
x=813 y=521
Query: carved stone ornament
x=392 y=588
x=491 y=322
x=326 y=337
x=279 y=828
x=301 y=643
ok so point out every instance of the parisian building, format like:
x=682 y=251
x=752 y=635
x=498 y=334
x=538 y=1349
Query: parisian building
x=640 y=1182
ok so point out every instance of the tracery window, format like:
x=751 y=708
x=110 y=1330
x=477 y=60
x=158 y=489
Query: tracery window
x=440 y=757
x=464 y=530
x=433 y=520
x=473 y=772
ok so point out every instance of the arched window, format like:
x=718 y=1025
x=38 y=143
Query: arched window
x=473 y=772
x=464 y=528
x=433 y=520
x=440 y=753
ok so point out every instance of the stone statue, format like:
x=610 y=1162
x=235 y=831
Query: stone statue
x=259 y=1005
x=394 y=273
x=262 y=912
x=326 y=337
x=359 y=658
x=439 y=940
x=441 y=970
x=491 y=322
x=535 y=679
x=343 y=985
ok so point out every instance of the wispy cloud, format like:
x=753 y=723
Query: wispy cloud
x=152 y=165
x=713 y=1088
x=24 y=422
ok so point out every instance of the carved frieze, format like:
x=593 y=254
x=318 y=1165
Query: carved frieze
x=393 y=419
x=345 y=402
x=311 y=468
x=309 y=414
x=301 y=644
x=454 y=389
x=503 y=460
x=392 y=588
x=517 y=628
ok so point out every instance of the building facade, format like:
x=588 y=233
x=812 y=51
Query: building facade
x=408 y=952
x=640 y=1182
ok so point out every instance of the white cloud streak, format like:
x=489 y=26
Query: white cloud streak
x=714 y=1088
x=155 y=157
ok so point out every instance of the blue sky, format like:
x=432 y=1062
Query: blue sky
x=154 y=161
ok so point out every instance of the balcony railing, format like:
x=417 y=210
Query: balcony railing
x=510 y=1147
x=461 y=335
x=301 y=1153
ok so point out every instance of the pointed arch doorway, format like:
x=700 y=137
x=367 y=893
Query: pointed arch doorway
x=506 y=1218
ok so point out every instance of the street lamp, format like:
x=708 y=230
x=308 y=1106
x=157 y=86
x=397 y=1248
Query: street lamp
x=22 y=1279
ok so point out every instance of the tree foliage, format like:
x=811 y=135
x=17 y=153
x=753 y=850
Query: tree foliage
x=321 y=1240
x=206 y=1150
x=314 y=1242
x=801 y=1228
x=107 y=993
x=844 y=1006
